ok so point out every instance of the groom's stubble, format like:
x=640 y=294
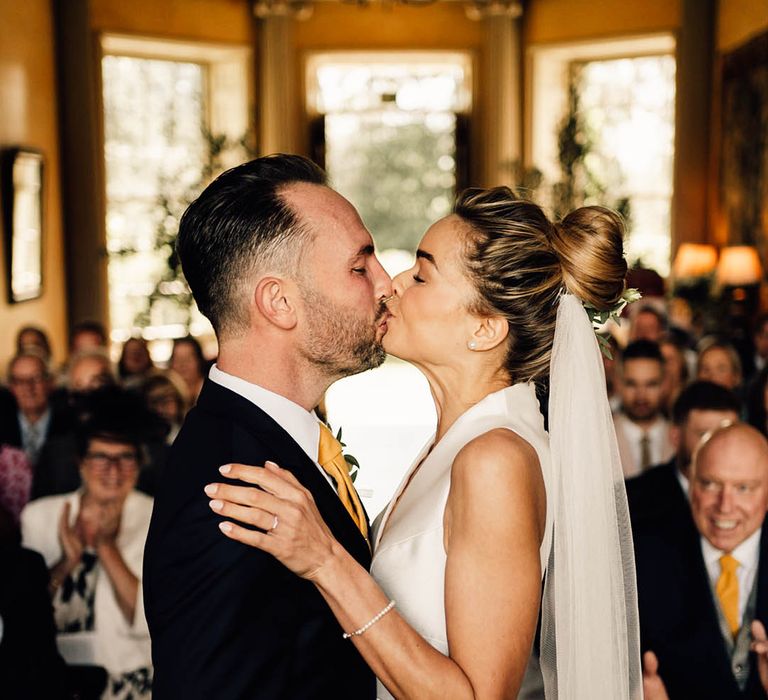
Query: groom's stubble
x=336 y=340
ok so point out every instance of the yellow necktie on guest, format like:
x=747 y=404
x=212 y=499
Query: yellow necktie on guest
x=331 y=459
x=727 y=589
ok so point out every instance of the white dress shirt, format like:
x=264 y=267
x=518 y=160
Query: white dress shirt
x=629 y=434
x=748 y=556
x=33 y=435
x=302 y=425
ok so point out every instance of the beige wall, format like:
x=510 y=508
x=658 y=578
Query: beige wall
x=553 y=21
x=740 y=20
x=28 y=117
x=205 y=20
x=336 y=26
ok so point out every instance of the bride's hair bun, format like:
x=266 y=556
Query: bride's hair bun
x=519 y=263
x=590 y=245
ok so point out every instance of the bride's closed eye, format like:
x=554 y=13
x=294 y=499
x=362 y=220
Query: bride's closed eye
x=418 y=279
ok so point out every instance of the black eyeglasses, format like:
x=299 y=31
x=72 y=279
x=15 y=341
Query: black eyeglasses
x=26 y=381
x=124 y=461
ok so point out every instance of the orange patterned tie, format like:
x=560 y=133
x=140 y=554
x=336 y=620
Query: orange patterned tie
x=330 y=458
x=727 y=589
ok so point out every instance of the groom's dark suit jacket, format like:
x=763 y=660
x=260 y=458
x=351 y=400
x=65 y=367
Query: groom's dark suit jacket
x=229 y=621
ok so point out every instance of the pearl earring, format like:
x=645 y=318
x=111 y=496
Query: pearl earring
x=472 y=345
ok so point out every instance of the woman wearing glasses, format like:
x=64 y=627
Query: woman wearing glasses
x=95 y=555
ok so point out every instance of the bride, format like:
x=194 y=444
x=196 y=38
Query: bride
x=494 y=304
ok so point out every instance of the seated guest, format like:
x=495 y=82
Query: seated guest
x=647 y=324
x=760 y=344
x=659 y=497
x=84 y=336
x=39 y=425
x=675 y=369
x=33 y=418
x=87 y=335
x=641 y=429
x=30 y=664
x=88 y=370
x=135 y=363
x=719 y=363
x=756 y=402
x=15 y=481
x=35 y=339
x=700 y=589
x=188 y=361
x=94 y=554
x=165 y=396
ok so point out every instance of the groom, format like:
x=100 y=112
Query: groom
x=285 y=270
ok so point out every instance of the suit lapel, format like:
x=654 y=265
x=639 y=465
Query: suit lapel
x=676 y=503
x=284 y=451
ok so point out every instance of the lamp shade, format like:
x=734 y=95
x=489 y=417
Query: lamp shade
x=739 y=265
x=694 y=260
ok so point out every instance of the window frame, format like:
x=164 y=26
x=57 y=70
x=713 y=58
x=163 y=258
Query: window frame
x=228 y=109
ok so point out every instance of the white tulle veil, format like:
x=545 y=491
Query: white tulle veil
x=590 y=646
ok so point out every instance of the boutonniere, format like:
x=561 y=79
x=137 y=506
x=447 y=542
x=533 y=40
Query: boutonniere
x=600 y=318
x=352 y=463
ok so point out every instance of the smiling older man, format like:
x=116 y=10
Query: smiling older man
x=699 y=591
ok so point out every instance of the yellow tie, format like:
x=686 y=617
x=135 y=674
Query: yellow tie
x=727 y=590
x=332 y=460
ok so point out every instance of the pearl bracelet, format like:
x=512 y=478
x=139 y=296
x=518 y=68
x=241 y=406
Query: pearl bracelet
x=370 y=622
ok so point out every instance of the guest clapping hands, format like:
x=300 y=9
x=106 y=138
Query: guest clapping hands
x=95 y=554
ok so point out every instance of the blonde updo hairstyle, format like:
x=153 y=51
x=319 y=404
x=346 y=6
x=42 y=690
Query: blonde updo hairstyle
x=520 y=262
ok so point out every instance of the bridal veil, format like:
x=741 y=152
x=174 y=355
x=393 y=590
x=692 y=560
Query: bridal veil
x=590 y=645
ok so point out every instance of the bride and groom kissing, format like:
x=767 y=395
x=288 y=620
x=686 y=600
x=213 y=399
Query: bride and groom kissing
x=262 y=575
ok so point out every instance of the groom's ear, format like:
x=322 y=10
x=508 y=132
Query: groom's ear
x=490 y=332
x=274 y=298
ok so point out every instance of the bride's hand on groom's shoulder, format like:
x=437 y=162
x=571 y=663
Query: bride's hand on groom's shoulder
x=289 y=526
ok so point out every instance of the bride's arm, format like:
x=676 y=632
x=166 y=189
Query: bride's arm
x=494 y=520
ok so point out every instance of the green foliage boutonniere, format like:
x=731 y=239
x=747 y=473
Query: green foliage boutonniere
x=352 y=463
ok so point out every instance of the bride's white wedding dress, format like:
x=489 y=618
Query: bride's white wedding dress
x=409 y=557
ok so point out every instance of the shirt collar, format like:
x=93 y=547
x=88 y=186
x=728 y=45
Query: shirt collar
x=654 y=432
x=302 y=425
x=747 y=553
x=41 y=424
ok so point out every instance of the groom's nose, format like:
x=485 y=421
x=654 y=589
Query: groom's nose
x=382 y=284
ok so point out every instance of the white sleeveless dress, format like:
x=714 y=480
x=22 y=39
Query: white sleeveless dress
x=409 y=558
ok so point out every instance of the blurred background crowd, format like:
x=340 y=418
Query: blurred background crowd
x=115 y=115
x=82 y=445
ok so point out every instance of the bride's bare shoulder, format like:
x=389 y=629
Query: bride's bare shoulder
x=499 y=450
x=499 y=469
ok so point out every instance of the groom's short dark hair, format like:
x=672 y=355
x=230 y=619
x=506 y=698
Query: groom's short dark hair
x=239 y=223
